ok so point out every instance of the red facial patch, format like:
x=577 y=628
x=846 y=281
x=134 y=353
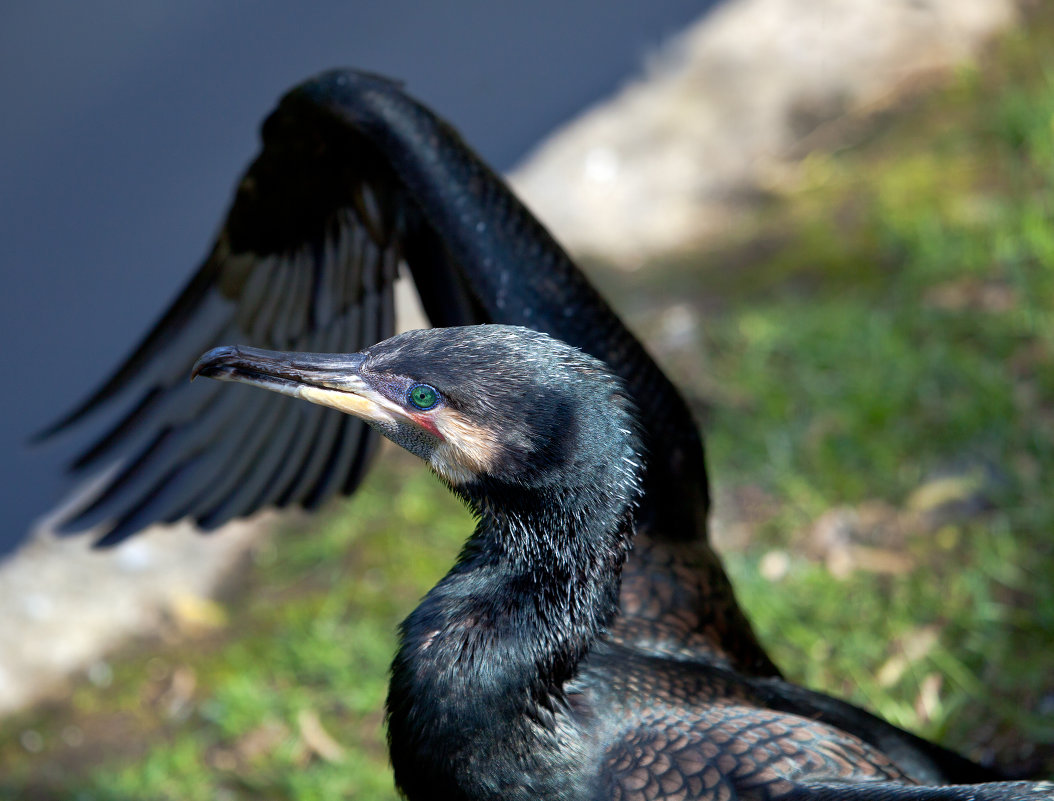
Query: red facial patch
x=425 y=421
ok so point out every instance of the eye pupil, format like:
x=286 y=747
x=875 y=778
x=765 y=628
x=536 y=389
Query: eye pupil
x=423 y=396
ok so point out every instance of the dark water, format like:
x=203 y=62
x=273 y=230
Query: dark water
x=124 y=126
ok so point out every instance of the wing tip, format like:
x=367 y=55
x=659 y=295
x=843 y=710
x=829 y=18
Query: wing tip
x=343 y=79
x=343 y=89
x=63 y=422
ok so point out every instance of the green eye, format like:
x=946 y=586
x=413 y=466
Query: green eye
x=423 y=396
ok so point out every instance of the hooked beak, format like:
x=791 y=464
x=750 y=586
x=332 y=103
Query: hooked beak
x=328 y=379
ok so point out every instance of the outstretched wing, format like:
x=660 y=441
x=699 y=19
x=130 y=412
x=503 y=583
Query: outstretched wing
x=354 y=178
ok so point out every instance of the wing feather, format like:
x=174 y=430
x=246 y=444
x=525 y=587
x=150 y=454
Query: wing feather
x=353 y=178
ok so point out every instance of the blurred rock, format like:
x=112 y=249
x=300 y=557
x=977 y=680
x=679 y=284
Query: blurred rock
x=957 y=493
x=319 y=741
x=874 y=536
x=725 y=107
x=841 y=539
x=971 y=294
x=774 y=565
x=65 y=605
x=196 y=614
x=908 y=651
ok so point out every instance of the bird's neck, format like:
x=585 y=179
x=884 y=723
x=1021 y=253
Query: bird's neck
x=484 y=658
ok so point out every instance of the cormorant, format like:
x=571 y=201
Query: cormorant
x=354 y=178
x=505 y=684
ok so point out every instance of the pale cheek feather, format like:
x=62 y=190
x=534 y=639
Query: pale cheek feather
x=467 y=450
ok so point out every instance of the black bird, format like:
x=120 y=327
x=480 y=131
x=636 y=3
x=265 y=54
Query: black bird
x=506 y=684
x=355 y=178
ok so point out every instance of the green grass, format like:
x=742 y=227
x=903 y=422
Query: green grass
x=900 y=329
x=220 y=716
x=885 y=320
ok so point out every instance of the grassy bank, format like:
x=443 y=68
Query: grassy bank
x=878 y=383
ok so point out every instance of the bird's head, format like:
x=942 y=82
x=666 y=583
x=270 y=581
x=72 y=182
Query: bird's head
x=485 y=406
